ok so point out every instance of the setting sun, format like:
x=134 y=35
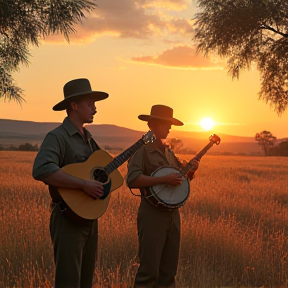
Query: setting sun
x=207 y=123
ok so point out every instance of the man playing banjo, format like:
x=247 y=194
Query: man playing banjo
x=158 y=222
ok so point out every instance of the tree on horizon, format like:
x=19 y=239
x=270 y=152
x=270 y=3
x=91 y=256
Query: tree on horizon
x=266 y=140
x=248 y=33
x=26 y=22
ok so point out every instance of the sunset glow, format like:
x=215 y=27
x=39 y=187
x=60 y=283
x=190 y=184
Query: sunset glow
x=207 y=123
x=140 y=66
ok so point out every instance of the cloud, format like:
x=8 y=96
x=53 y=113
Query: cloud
x=180 y=57
x=167 y=4
x=138 y=19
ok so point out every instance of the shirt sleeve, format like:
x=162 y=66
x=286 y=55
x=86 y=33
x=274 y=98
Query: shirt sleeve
x=48 y=158
x=135 y=166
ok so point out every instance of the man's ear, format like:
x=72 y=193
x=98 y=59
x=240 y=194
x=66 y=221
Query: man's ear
x=73 y=105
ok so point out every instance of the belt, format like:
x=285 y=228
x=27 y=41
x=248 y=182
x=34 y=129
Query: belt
x=62 y=205
x=69 y=214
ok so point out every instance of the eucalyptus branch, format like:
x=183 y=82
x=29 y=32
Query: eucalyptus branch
x=266 y=27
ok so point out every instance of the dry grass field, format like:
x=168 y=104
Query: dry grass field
x=234 y=227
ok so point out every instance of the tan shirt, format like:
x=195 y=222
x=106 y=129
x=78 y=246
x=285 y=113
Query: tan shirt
x=148 y=158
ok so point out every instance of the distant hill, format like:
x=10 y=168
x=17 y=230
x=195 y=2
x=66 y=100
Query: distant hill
x=17 y=132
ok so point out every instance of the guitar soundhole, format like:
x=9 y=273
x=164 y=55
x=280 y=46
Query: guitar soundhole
x=100 y=175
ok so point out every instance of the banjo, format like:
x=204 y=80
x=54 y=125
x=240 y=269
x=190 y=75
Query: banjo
x=169 y=196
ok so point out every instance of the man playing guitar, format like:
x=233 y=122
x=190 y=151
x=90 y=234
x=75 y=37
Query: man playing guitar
x=75 y=245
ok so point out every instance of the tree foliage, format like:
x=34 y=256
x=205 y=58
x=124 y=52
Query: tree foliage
x=266 y=140
x=246 y=33
x=26 y=22
x=176 y=144
x=280 y=150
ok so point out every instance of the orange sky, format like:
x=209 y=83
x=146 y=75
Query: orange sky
x=142 y=53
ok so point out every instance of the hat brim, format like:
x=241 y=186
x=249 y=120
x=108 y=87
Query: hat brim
x=173 y=121
x=95 y=96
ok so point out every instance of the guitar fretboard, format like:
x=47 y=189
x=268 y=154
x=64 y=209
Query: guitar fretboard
x=121 y=158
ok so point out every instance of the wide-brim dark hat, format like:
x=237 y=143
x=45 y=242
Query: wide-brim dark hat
x=75 y=89
x=161 y=112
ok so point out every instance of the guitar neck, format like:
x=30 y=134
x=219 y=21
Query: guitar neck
x=198 y=157
x=123 y=157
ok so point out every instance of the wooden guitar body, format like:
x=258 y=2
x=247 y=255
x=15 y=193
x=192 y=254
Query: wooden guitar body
x=83 y=205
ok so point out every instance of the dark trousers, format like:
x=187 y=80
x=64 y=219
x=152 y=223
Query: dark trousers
x=159 y=242
x=75 y=250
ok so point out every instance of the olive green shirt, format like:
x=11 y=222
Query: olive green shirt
x=148 y=158
x=63 y=145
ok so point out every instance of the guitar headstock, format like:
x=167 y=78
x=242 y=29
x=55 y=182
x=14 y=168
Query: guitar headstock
x=215 y=139
x=148 y=137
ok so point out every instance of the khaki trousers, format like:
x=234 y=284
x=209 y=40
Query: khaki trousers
x=75 y=250
x=159 y=242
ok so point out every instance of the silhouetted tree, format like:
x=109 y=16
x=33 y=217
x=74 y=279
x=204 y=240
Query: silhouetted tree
x=28 y=147
x=266 y=140
x=248 y=32
x=280 y=150
x=176 y=144
x=25 y=22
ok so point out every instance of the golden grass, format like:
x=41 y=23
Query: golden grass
x=234 y=226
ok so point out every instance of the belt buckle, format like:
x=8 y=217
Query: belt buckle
x=63 y=206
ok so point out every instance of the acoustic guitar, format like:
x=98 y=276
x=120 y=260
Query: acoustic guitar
x=102 y=167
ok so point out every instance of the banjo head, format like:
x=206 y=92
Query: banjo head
x=174 y=196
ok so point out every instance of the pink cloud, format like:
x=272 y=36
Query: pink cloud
x=181 y=57
x=138 y=19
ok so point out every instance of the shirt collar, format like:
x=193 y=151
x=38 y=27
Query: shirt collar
x=72 y=129
x=155 y=147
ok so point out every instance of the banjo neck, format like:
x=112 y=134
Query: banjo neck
x=214 y=139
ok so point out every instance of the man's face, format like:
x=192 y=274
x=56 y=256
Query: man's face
x=86 y=109
x=160 y=128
